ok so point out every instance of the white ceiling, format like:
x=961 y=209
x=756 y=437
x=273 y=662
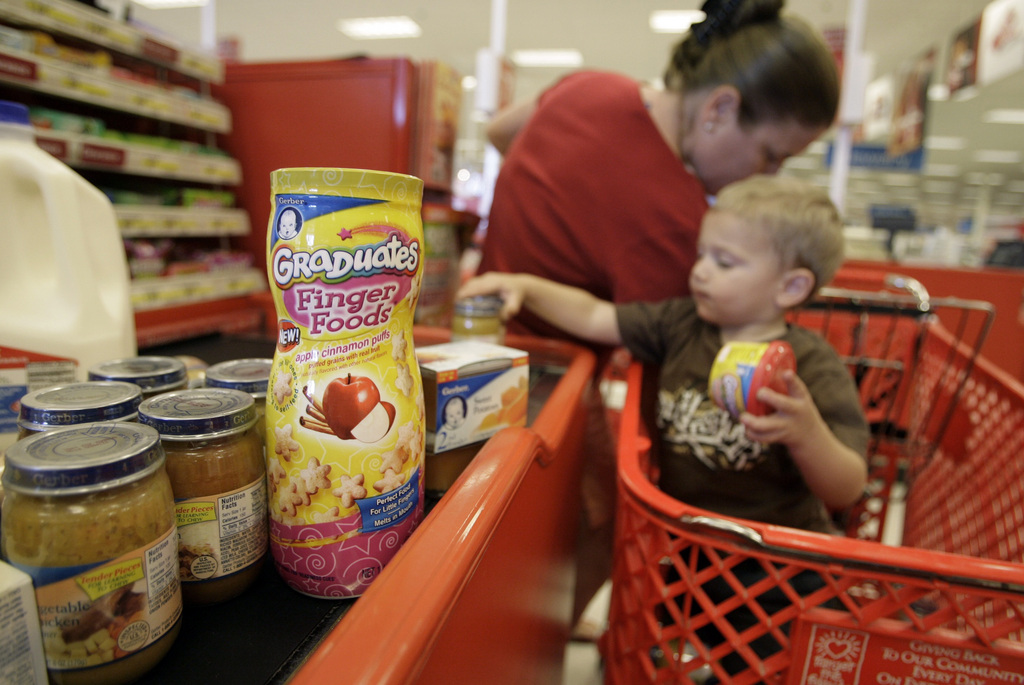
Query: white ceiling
x=613 y=34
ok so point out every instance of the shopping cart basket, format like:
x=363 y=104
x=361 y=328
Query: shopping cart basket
x=788 y=606
x=881 y=324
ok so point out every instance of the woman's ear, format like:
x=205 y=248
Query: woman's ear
x=721 y=106
x=796 y=286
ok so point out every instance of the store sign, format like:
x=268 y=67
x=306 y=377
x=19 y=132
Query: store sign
x=18 y=68
x=829 y=650
x=1001 y=43
x=56 y=147
x=102 y=155
x=869 y=156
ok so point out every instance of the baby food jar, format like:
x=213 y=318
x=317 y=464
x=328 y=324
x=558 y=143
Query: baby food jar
x=89 y=515
x=77 y=403
x=248 y=375
x=218 y=475
x=153 y=374
x=478 y=318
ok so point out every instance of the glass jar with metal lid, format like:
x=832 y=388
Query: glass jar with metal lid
x=153 y=374
x=77 y=403
x=218 y=475
x=89 y=515
x=248 y=375
x=478 y=318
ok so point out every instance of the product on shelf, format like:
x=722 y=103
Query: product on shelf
x=345 y=439
x=44 y=44
x=89 y=515
x=472 y=389
x=63 y=252
x=45 y=118
x=218 y=476
x=75 y=404
x=131 y=111
x=154 y=374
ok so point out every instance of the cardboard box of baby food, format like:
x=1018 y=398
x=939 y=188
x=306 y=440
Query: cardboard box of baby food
x=472 y=390
x=21 y=641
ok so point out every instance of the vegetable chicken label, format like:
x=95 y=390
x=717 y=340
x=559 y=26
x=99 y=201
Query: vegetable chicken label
x=345 y=412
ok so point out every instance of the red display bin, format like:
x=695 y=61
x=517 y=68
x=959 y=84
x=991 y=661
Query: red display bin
x=482 y=592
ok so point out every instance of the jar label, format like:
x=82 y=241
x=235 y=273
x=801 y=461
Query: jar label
x=344 y=407
x=219 y=535
x=96 y=614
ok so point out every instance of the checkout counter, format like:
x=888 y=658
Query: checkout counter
x=481 y=592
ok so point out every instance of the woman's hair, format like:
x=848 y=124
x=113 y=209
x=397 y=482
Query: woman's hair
x=800 y=220
x=779 y=64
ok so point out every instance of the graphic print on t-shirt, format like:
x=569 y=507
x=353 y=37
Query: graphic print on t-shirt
x=689 y=420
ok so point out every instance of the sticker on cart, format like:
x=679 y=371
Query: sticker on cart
x=829 y=650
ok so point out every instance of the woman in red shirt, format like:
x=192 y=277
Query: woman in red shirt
x=605 y=181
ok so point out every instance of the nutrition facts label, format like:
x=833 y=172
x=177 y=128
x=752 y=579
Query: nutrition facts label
x=222 y=534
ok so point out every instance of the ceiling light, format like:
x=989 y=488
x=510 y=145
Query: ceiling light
x=818 y=147
x=945 y=143
x=979 y=178
x=170 y=4
x=938 y=92
x=802 y=163
x=469 y=82
x=900 y=180
x=674 y=21
x=997 y=156
x=941 y=187
x=1003 y=116
x=548 y=58
x=965 y=94
x=950 y=170
x=370 y=28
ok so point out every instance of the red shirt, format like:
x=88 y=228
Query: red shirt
x=589 y=194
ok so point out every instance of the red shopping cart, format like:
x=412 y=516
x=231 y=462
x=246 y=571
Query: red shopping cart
x=945 y=606
x=879 y=324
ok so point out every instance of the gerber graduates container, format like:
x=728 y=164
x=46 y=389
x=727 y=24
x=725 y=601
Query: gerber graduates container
x=742 y=368
x=344 y=415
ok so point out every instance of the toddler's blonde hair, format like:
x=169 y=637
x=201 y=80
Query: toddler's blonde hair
x=800 y=220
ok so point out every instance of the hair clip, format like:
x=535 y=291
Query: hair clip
x=717 y=14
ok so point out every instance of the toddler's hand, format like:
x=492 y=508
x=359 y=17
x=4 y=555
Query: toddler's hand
x=506 y=286
x=795 y=417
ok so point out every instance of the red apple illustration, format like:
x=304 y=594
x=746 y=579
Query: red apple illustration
x=352 y=408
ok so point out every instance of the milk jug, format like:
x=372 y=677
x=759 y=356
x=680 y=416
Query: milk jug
x=64 y=297
x=344 y=409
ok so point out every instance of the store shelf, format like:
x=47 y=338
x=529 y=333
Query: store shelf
x=86 y=23
x=152 y=293
x=131 y=112
x=145 y=221
x=166 y=325
x=93 y=87
x=95 y=152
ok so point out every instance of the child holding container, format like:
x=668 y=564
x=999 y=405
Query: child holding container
x=765 y=247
